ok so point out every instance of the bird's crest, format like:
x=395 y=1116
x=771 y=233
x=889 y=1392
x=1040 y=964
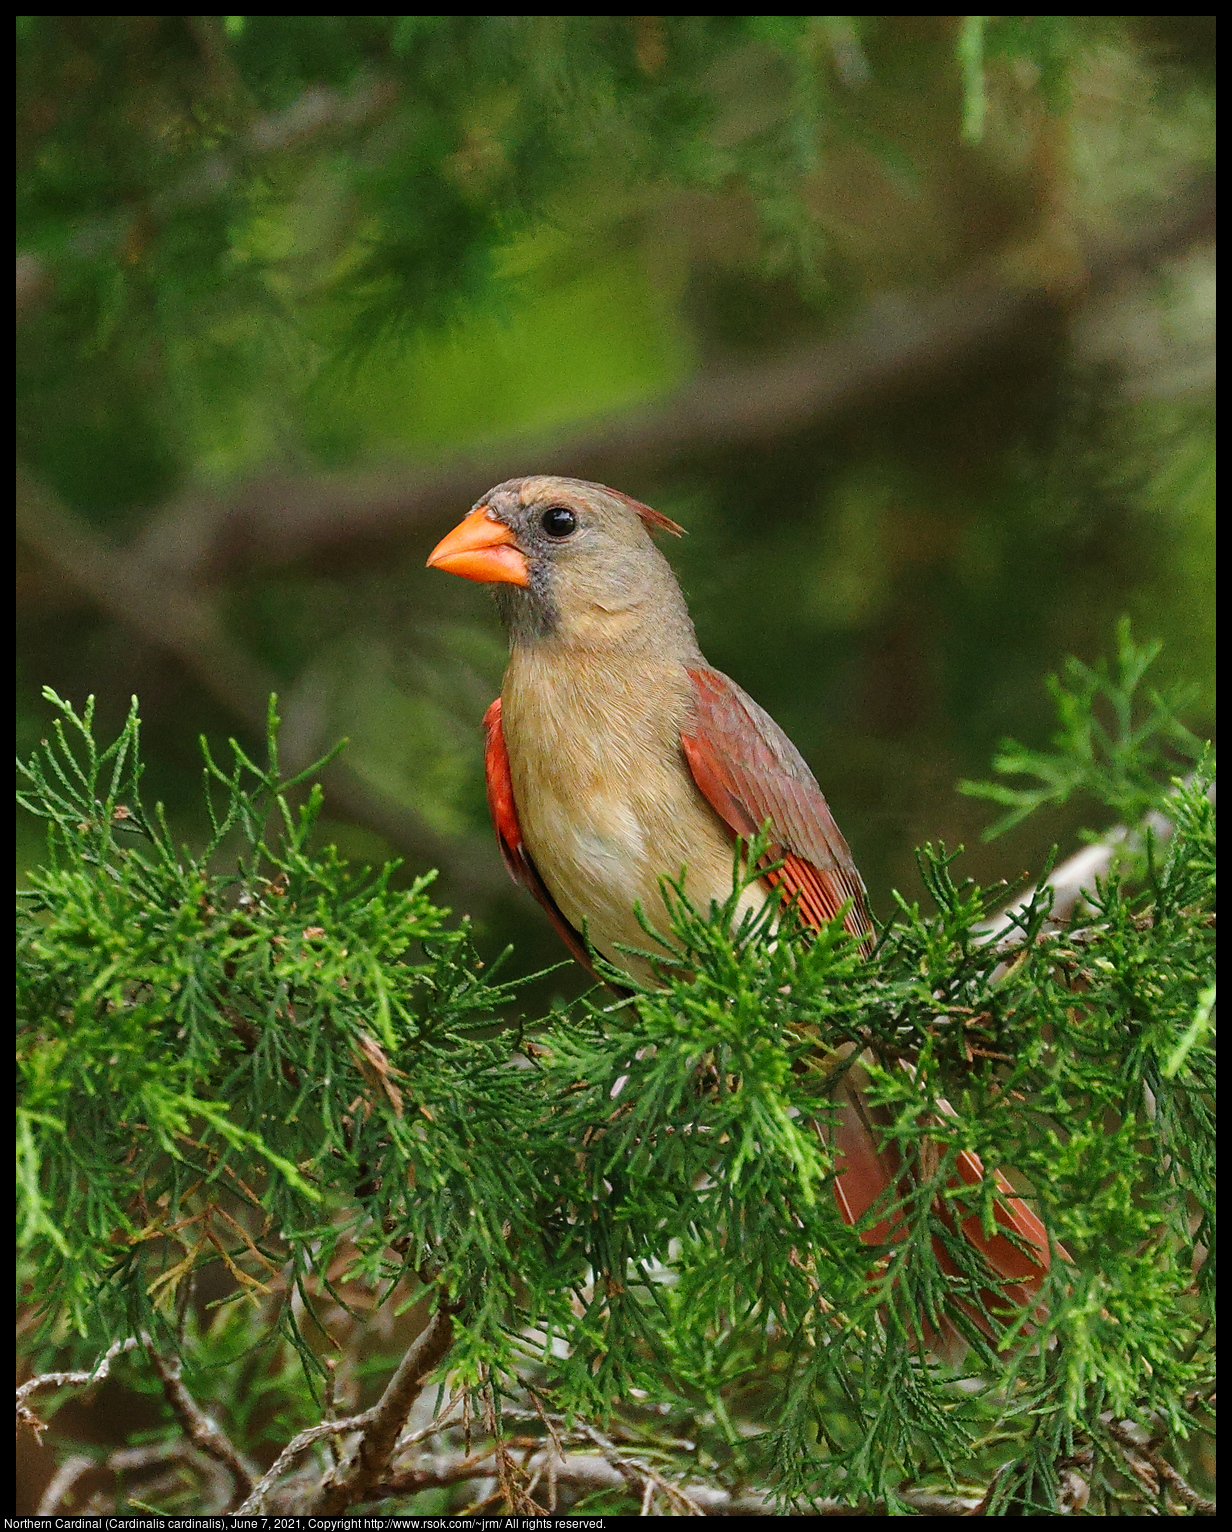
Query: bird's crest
x=654 y=521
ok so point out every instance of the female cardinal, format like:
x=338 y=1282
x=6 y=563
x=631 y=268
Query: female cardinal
x=616 y=754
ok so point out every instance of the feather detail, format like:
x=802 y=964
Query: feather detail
x=652 y=520
x=870 y=1170
x=513 y=850
x=869 y=1173
x=604 y=799
x=750 y=772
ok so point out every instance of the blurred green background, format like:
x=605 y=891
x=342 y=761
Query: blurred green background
x=908 y=320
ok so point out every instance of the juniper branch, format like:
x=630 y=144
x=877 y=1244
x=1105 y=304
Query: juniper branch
x=27 y=1417
x=376 y=1445
x=201 y=1430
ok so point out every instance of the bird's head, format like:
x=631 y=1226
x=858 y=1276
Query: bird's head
x=571 y=562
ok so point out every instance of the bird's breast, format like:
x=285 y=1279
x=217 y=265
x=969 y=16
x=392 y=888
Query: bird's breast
x=593 y=839
x=605 y=800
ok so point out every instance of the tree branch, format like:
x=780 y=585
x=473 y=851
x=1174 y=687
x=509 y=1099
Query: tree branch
x=172 y=616
x=613 y=1468
x=62 y=1482
x=585 y=1471
x=367 y=1464
x=27 y=1417
x=128 y=1460
x=1146 y=1464
x=279 y=520
x=203 y=1432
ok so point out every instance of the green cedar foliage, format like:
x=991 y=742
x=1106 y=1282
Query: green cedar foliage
x=296 y=1088
x=1118 y=759
x=226 y=201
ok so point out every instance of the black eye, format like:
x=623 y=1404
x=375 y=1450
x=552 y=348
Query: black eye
x=558 y=521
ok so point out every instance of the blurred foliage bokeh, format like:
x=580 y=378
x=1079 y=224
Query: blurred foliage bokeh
x=908 y=320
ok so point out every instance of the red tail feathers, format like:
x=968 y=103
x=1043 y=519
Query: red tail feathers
x=871 y=1174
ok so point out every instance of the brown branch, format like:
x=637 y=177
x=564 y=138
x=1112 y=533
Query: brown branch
x=170 y=615
x=329 y=1430
x=589 y=1471
x=255 y=1504
x=27 y=1417
x=1147 y=1465
x=203 y=1432
x=613 y=1468
x=584 y=1471
x=128 y=1460
x=279 y=520
x=369 y=1461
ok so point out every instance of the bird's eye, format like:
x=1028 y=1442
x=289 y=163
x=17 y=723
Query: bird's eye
x=558 y=521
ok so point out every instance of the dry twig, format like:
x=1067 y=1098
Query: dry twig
x=203 y=1432
x=27 y=1417
x=1145 y=1463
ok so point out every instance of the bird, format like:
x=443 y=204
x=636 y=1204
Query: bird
x=616 y=756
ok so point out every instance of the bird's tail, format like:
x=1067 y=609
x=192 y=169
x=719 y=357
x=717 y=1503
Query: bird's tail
x=872 y=1174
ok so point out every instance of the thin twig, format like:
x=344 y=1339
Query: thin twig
x=201 y=1430
x=1139 y=1453
x=255 y=1504
x=128 y=1460
x=27 y=1417
x=370 y=1459
x=441 y=1423
x=586 y=1471
x=62 y=1481
x=597 y=1471
x=638 y=1473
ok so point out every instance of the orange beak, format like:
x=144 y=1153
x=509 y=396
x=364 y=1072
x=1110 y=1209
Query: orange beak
x=479 y=548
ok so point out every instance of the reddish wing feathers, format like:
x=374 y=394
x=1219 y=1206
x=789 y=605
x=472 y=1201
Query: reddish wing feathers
x=749 y=771
x=509 y=832
x=1003 y=1255
x=869 y=1172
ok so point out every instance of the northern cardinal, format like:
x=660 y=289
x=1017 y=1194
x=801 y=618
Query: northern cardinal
x=615 y=755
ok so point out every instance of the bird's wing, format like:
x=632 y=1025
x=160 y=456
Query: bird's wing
x=504 y=813
x=749 y=771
